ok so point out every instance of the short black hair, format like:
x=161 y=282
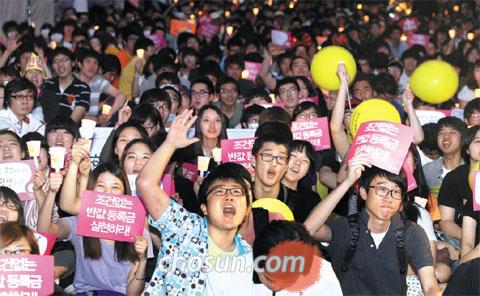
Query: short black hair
x=9 y=195
x=62 y=122
x=371 y=173
x=227 y=171
x=110 y=63
x=23 y=146
x=284 y=81
x=63 y=51
x=16 y=85
x=145 y=111
x=36 y=136
x=206 y=81
x=143 y=43
x=130 y=123
x=154 y=95
x=250 y=111
x=224 y=80
x=83 y=53
x=384 y=83
x=276 y=114
x=467 y=140
x=305 y=105
x=272 y=131
x=257 y=92
x=235 y=59
x=171 y=77
x=453 y=122
x=473 y=105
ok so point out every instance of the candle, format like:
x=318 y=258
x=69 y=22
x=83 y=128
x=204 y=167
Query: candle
x=57 y=157
x=217 y=154
x=140 y=52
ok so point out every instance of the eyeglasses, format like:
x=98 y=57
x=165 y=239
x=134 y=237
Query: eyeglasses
x=308 y=115
x=28 y=98
x=199 y=93
x=285 y=92
x=61 y=61
x=15 y=252
x=228 y=91
x=222 y=191
x=474 y=115
x=383 y=191
x=9 y=205
x=268 y=157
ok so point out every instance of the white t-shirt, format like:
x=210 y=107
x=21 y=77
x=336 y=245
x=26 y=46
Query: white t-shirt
x=425 y=221
x=466 y=94
x=378 y=237
x=327 y=284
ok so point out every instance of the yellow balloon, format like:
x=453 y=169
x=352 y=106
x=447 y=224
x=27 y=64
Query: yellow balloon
x=434 y=81
x=370 y=110
x=325 y=64
x=274 y=205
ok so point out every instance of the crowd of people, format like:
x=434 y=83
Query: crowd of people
x=170 y=98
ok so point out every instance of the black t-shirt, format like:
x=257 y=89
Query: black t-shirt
x=301 y=202
x=468 y=211
x=465 y=280
x=455 y=191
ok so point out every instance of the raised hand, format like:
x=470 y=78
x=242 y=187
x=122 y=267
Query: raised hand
x=177 y=134
x=342 y=73
x=124 y=114
x=80 y=151
x=56 y=180
x=141 y=246
x=407 y=98
x=84 y=167
x=39 y=180
x=356 y=166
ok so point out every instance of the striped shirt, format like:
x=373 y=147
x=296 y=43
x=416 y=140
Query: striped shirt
x=56 y=102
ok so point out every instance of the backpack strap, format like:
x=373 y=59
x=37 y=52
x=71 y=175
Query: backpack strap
x=352 y=248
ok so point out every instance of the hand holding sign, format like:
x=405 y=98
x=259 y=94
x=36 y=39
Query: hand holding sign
x=356 y=166
x=177 y=134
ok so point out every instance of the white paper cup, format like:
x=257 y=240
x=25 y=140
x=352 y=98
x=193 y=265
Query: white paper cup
x=140 y=52
x=217 y=154
x=202 y=163
x=57 y=157
x=88 y=123
x=86 y=133
x=106 y=109
x=33 y=148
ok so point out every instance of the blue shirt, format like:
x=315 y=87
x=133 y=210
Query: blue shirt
x=184 y=236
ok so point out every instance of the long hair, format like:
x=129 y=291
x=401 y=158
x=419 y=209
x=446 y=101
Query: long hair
x=198 y=133
x=92 y=247
x=12 y=231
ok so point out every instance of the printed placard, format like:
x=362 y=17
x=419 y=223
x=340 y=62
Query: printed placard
x=168 y=184
x=238 y=151
x=281 y=38
x=409 y=25
x=18 y=176
x=476 y=191
x=111 y=216
x=26 y=275
x=385 y=143
x=243 y=133
x=314 y=131
x=431 y=116
x=422 y=39
x=208 y=28
x=253 y=69
x=45 y=241
x=189 y=171
x=179 y=26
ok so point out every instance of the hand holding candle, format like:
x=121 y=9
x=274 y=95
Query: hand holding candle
x=203 y=162
x=34 y=150
x=140 y=52
x=217 y=154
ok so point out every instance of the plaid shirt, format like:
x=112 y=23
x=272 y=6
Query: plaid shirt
x=184 y=235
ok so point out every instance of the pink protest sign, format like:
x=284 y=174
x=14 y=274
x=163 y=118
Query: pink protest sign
x=158 y=39
x=189 y=171
x=314 y=131
x=168 y=184
x=421 y=39
x=476 y=191
x=111 y=216
x=208 y=28
x=18 y=176
x=238 y=151
x=310 y=99
x=253 y=69
x=45 y=241
x=409 y=25
x=281 y=38
x=26 y=275
x=411 y=182
x=386 y=144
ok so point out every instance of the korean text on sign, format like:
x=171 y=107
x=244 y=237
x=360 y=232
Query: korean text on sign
x=314 y=131
x=385 y=143
x=26 y=275
x=238 y=151
x=18 y=176
x=111 y=216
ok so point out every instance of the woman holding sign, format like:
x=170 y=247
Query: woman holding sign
x=97 y=258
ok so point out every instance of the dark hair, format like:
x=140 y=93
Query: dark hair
x=275 y=132
x=362 y=77
x=154 y=95
x=429 y=142
x=284 y=81
x=92 y=247
x=62 y=122
x=198 y=133
x=307 y=83
x=143 y=43
x=422 y=189
x=385 y=84
x=250 y=111
x=307 y=147
x=303 y=106
x=257 y=92
x=467 y=141
x=371 y=173
x=16 y=85
x=206 y=81
x=171 y=77
x=208 y=67
x=23 y=146
x=225 y=80
x=235 y=59
x=9 y=195
x=227 y=171
x=145 y=111
x=276 y=114
x=473 y=105
x=14 y=231
x=110 y=63
x=131 y=123
x=453 y=122
x=297 y=58
x=36 y=136
x=83 y=53
x=63 y=51
x=471 y=82
x=148 y=143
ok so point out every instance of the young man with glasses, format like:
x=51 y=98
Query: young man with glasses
x=382 y=244
x=20 y=99
x=65 y=94
x=224 y=198
x=471 y=114
x=227 y=89
x=201 y=93
x=287 y=93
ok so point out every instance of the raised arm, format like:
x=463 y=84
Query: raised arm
x=339 y=136
x=154 y=198
x=119 y=101
x=407 y=99
x=315 y=222
x=136 y=276
x=70 y=193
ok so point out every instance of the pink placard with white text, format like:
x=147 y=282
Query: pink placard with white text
x=111 y=216
x=281 y=38
x=411 y=182
x=385 y=143
x=189 y=171
x=18 y=176
x=26 y=275
x=207 y=27
x=238 y=151
x=314 y=131
x=45 y=241
x=476 y=191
